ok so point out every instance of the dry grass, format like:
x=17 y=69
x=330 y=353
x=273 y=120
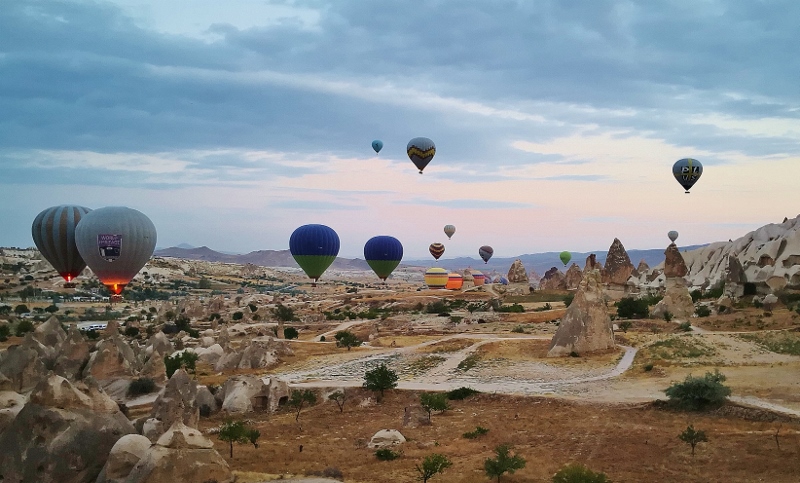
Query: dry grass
x=749 y=319
x=629 y=444
x=451 y=345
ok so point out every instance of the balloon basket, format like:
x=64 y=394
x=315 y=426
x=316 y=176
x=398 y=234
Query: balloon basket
x=70 y=285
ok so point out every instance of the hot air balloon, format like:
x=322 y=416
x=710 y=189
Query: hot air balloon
x=314 y=248
x=486 y=253
x=687 y=171
x=436 y=278
x=449 y=230
x=377 y=145
x=383 y=254
x=115 y=242
x=673 y=235
x=565 y=257
x=436 y=249
x=454 y=281
x=53 y=232
x=421 y=151
x=478 y=278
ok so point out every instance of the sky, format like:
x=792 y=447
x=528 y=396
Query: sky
x=230 y=124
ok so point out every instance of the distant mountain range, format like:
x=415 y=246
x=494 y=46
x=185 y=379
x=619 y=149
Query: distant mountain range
x=541 y=262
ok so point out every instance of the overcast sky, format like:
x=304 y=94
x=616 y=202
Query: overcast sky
x=556 y=123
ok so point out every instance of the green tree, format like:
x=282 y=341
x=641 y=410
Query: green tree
x=299 y=398
x=284 y=313
x=380 y=379
x=252 y=435
x=339 y=397
x=185 y=360
x=628 y=308
x=21 y=309
x=625 y=325
x=204 y=283
x=503 y=463
x=290 y=333
x=237 y=315
x=23 y=327
x=345 y=338
x=234 y=432
x=433 y=401
x=432 y=465
x=253 y=308
x=51 y=309
x=5 y=331
x=693 y=437
x=578 y=473
x=699 y=393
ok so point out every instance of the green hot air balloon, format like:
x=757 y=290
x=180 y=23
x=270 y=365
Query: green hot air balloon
x=314 y=248
x=115 y=242
x=565 y=257
x=383 y=254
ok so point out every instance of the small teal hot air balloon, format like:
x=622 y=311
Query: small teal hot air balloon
x=377 y=145
x=314 y=248
x=687 y=171
x=383 y=254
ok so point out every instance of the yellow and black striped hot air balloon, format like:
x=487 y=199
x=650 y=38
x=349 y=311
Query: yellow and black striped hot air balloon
x=421 y=151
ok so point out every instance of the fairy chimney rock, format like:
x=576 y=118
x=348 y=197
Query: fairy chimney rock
x=586 y=326
x=618 y=267
x=517 y=272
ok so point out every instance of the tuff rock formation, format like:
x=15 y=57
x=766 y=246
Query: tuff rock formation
x=178 y=402
x=386 y=437
x=573 y=277
x=50 y=333
x=677 y=300
x=618 y=267
x=517 y=273
x=125 y=454
x=242 y=394
x=62 y=434
x=72 y=354
x=553 y=280
x=181 y=454
x=586 y=326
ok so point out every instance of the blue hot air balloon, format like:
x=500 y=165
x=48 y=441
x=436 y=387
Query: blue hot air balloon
x=314 y=248
x=687 y=171
x=383 y=254
x=377 y=145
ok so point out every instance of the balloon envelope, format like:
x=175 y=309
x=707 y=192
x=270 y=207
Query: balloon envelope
x=383 y=254
x=314 y=248
x=53 y=232
x=687 y=171
x=449 y=230
x=454 y=281
x=421 y=151
x=673 y=235
x=565 y=257
x=478 y=278
x=436 y=278
x=486 y=253
x=436 y=249
x=377 y=145
x=115 y=242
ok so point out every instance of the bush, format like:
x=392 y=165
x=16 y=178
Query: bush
x=629 y=308
x=385 y=454
x=92 y=334
x=702 y=311
x=518 y=329
x=685 y=326
x=345 y=338
x=185 y=360
x=696 y=294
x=284 y=313
x=142 y=385
x=648 y=367
x=290 y=333
x=568 y=299
x=479 y=431
x=699 y=393
x=237 y=315
x=578 y=473
x=23 y=327
x=625 y=325
x=461 y=393
x=5 y=331
x=515 y=308
x=131 y=331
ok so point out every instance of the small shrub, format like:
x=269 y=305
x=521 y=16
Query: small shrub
x=385 y=454
x=578 y=473
x=518 y=330
x=667 y=316
x=574 y=354
x=142 y=385
x=648 y=367
x=568 y=299
x=237 y=315
x=461 y=393
x=702 y=311
x=479 y=431
x=131 y=331
x=469 y=362
x=685 y=326
x=290 y=333
x=5 y=331
x=514 y=308
x=696 y=295
x=625 y=325
x=23 y=327
x=699 y=393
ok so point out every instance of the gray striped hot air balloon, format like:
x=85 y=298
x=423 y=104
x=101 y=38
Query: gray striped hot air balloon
x=115 y=242
x=53 y=232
